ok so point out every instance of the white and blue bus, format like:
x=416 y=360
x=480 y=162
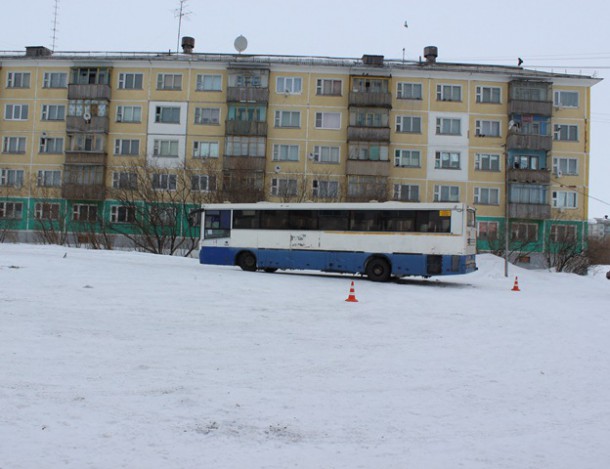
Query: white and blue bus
x=378 y=240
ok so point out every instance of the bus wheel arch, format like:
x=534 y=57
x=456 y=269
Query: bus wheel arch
x=246 y=260
x=378 y=268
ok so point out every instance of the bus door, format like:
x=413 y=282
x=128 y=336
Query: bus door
x=216 y=227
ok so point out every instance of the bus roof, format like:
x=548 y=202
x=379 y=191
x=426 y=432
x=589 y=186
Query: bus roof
x=337 y=206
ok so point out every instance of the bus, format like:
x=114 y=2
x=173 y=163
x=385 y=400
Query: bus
x=376 y=239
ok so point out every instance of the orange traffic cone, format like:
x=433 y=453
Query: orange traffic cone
x=352 y=295
x=516 y=285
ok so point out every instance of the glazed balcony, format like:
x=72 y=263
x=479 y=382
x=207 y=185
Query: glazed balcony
x=74 y=191
x=246 y=128
x=97 y=124
x=529 y=176
x=85 y=157
x=522 y=106
x=370 y=99
x=89 y=92
x=529 y=211
x=365 y=134
x=520 y=141
x=244 y=163
x=247 y=94
x=368 y=168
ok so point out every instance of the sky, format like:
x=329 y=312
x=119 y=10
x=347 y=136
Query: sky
x=149 y=361
x=557 y=35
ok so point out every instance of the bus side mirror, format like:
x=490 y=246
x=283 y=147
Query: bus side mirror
x=194 y=218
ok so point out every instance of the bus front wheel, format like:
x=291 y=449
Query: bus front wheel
x=378 y=270
x=247 y=261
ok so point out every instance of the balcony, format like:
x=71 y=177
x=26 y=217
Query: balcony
x=247 y=94
x=369 y=99
x=244 y=163
x=97 y=124
x=519 y=141
x=529 y=211
x=89 y=92
x=85 y=158
x=521 y=106
x=372 y=134
x=72 y=191
x=529 y=176
x=368 y=168
x=246 y=128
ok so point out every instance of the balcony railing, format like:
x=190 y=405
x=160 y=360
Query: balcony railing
x=368 y=168
x=247 y=94
x=246 y=128
x=522 y=106
x=89 y=92
x=372 y=134
x=529 y=211
x=74 y=191
x=529 y=176
x=369 y=99
x=85 y=157
x=96 y=124
x=519 y=141
x=243 y=163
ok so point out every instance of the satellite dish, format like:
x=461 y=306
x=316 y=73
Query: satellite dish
x=277 y=169
x=511 y=124
x=241 y=44
x=87 y=116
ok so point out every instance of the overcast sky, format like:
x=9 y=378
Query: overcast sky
x=559 y=35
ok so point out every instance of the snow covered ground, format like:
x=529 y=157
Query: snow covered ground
x=114 y=359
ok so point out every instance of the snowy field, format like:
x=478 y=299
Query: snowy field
x=127 y=360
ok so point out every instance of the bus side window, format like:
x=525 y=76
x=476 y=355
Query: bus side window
x=217 y=224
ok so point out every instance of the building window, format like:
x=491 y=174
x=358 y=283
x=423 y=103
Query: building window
x=207 y=115
x=564 y=199
x=167 y=114
x=288 y=119
x=16 y=112
x=446 y=193
x=55 y=80
x=566 y=98
x=126 y=147
x=124 y=180
x=209 y=82
x=487 y=230
x=524 y=232
x=408 y=124
x=84 y=212
x=285 y=153
x=288 y=85
x=528 y=194
x=80 y=107
x=53 y=112
x=203 y=183
x=18 y=80
x=52 y=145
x=11 y=177
x=134 y=113
x=449 y=92
x=324 y=154
x=405 y=90
x=122 y=214
x=245 y=146
x=48 y=178
x=169 y=81
x=489 y=94
x=87 y=142
x=325 y=189
x=369 y=187
x=11 y=210
x=368 y=151
x=13 y=145
x=328 y=87
x=565 y=166
x=567 y=133
x=46 y=211
x=166 y=148
x=525 y=162
x=447 y=160
x=130 y=81
x=328 y=120
x=487 y=128
x=283 y=187
x=205 y=149
x=486 y=196
x=407 y=158
x=563 y=234
x=406 y=192
x=448 y=126
x=369 y=118
x=487 y=162
x=162 y=181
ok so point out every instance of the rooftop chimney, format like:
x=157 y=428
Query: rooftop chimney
x=374 y=60
x=188 y=44
x=37 y=51
x=431 y=53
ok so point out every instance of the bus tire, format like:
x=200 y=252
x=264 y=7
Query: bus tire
x=378 y=269
x=247 y=261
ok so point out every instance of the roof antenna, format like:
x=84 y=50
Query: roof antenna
x=519 y=61
x=180 y=13
x=54 y=28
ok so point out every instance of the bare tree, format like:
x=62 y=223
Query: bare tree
x=563 y=250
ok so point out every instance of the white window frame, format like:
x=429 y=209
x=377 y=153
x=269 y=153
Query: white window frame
x=565 y=132
x=206 y=149
x=48 y=178
x=489 y=94
x=565 y=199
x=14 y=145
x=411 y=191
x=131 y=114
x=285 y=152
x=446 y=193
x=292 y=118
x=166 y=148
x=322 y=118
x=325 y=189
x=327 y=87
x=208 y=82
x=561 y=96
x=451 y=126
x=524 y=232
x=52 y=145
x=164 y=182
x=124 y=180
x=487 y=128
x=167 y=115
x=487 y=162
x=169 y=81
x=130 y=81
x=563 y=233
x=53 y=112
x=447 y=92
x=326 y=154
x=487 y=196
x=16 y=112
x=207 y=116
x=409 y=90
x=407 y=158
x=451 y=160
x=203 y=183
x=565 y=166
x=408 y=124
x=82 y=212
x=284 y=187
x=18 y=79
x=11 y=177
x=55 y=80
x=11 y=210
x=47 y=211
x=122 y=214
x=120 y=144
x=289 y=85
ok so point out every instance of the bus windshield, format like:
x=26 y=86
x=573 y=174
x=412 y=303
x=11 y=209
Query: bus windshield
x=217 y=224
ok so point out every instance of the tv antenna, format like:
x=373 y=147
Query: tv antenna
x=54 y=28
x=180 y=13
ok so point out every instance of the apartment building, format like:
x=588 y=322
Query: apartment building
x=512 y=142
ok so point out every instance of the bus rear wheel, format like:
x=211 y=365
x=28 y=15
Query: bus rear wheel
x=247 y=261
x=378 y=270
